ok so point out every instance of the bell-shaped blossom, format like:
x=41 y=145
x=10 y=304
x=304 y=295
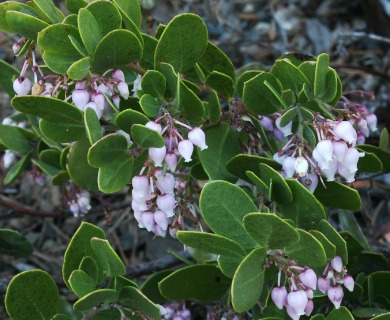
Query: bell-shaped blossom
x=337 y=263
x=278 y=134
x=140 y=185
x=322 y=163
x=292 y=313
x=289 y=166
x=148 y=220
x=186 y=148
x=372 y=121
x=171 y=161
x=159 y=231
x=309 y=293
x=349 y=283
x=74 y=208
x=344 y=130
x=335 y=295
x=137 y=85
x=167 y=204
x=166 y=183
x=22 y=86
x=116 y=100
x=139 y=204
x=310 y=181
x=102 y=88
x=301 y=166
x=330 y=274
x=323 y=284
x=346 y=173
x=83 y=200
x=198 y=138
x=266 y=123
x=117 y=74
x=351 y=159
x=309 y=278
x=279 y=296
x=325 y=149
x=163 y=311
x=158 y=155
x=8 y=122
x=330 y=172
x=16 y=47
x=161 y=219
x=309 y=308
x=8 y=158
x=298 y=300
x=153 y=126
x=361 y=139
x=98 y=110
x=286 y=129
x=339 y=150
x=123 y=89
x=279 y=159
x=99 y=99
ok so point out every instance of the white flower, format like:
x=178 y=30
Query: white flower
x=198 y=138
x=186 y=148
x=22 y=86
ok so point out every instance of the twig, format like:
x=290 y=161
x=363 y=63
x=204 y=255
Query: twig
x=356 y=34
x=363 y=69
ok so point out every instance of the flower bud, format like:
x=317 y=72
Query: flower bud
x=166 y=183
x=123 y=89
x=157 y=155
x=96 y=108
x=349 y=283
x=301 y=166
x=330 y=172
x=309 y=293
x=309 y=278
x=344 y=130
x=16 y=47
x=80 y=85
x=138 y=204
x=266 y=123
x=99 y=99
x=351 y=159
x=310 y=181
x=140 y=185
x=298 y=300
x=117 y=74
x=372 y=121
x=339 y=150
x=116 y=100
x=102 y=88
x=337 y=263
x=163 y=311
x=286 y=129
x=161 y=219
x=166 y=203
x=80 y=98
x=198 y=138
x=279 y=159
x=279 y=296
x=137 y=85
x=173 y=232
x=186 y=148
x=278 y=134
x=360 y=138
x=22 y=86
x=8 y=158
x=323 y=284
x=185 y=314
x=309 y=308
x=292 y=313
x=325 y=149
x=148 y=220
x=335 y=295
x=289 y=166
x=153 y=126
x=171 y=161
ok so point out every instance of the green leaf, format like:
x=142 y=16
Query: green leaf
x=89 y=30
x=341 y=313
x=371 y=313
x=190 y=104
x=14 y=6
x=288 y=116
x=145 y=137
x=214 y=107
x=133 y=298
x=17 y=169
x=24 y=24
x=333 y=236
x=255 y=180
x=71 y=19
x=94 y=298
x=60 y=178
x=177 y=48
x=127 y=118
x=382 y=155
x=222 y=146
x=190 y=283
x=337 y=195
x=330 y=87
x=383 y=139
x=223 y=206
x=385 y=316
x=150 y=44
x=259 y=98
x=349 y=223
x=106 y=15
x=82 y=174
x=80 y=283
x=89 y=266
x=107 y=149
x=116 y=49
x=8 y=75
x=270 y=231
x=307 y=251
x=248 y=281
x=150 y=286
x=221 y=83
x=114 y=176
x=51 y=157
x=304 y=210
x=150 y=105
x=46 y=168
x=329 y=247
x=80 y=247
x=118 y=282
x=30 y=295
x=12 y=243
x=244 y=77
x=92 y=125
x=369 y=163
x=320 y=74
x=48 y=8
x=75 y=5
x=107 y=257
x=154 y=83
x=212 y=243
x=289 y=75
x=132 y=9
x=229 y=265
x=14 y=139
x=62 y=132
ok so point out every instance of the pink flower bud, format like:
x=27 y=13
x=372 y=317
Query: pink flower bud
x=372 y=121
x=185 y=314
x=173 y=232
x=99 y=99
x=349 y=283
x=171 y=161
x=309 y=293
x=335 y=295
x=80 y=98
x=344 y=130
x=116 y=100
x=157 y=155
x=351 y=159
x=163 y=311
x=362 y=124
x=123 y=89
x=161 y=219
x=148 y=220
x=298 y=300
x=309 y=278
x=310 y=181
x=279 y=296
x=80 y=85
x=140 y=185
x=102 y=88
x=159 y=231
x=186 y=148
x=74 y=208
x=22 y=86
x=166 y=203
x=266 y=123
x=292 y=313
x=289 y=166
x=339 y=150
x=330 y=274
x=117 y=74
x=286 y=129
x=337 y=263
x=301 y=166
x=325 y=149
x=153 y=126
x=96 y=108
x=309 y=308
x=323 y=284
x=166 y=183
x=279 y=134
x=198 y=138
x=138 y=204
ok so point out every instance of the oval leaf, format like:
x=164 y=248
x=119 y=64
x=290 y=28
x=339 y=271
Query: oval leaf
x=94 y=298
x=114 y=176
x=133 y=298
x=146 y=137
x=14 y=244
x=107 y=149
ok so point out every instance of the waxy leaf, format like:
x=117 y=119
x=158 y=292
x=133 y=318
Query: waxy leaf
x=341 y=313
x=131 y=9
x=81 y=283
x=229 y=265
x=89 y=30
x=221 y=83
x=177 y=48
x=223 y=206
x=348 y=223
x=150 y=105
x=8 y=75
x=48 y=8
x=17 y=7
x=191 y=283
x=92 y=125
x=30 y=295
x=212 y=243
x=116 y=49
x=62 y=132
x=192 y=106
x=329 y=247
x=114 y=176
x=222 y=146
x=383 y=138
x=248 y=281
x=127 y=118
x=304 y=210
x=133 y=298
x=322 y=65
x=244 y=77
x=17 y=169
x=150 y=44
x=24 y=24
x=75 y=5
x=106 y=15
x=150 y=286
x=214 y=107
x=79 y=69
x=289 y=75
x=369 y=163
x=270 y=231
x=13 y=138
x=172 y=81
x=383 y=156
x=154 y=83
x=94 y=298
x=89 y=266
x=146 y=137
x=12 y=243
x=333 y=236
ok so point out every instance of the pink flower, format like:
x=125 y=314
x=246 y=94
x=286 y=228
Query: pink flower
x=323 y=284
x=198 y=138
x=117 y=74
x=279 y=296
x=22 y=86
x=186 y=148
x=349 y=283
x=171 y=161
x=298 y=300
x=372 y=121
x=153 y=126
x=337 y=263
x=157 y=155
x=335 y=295
x=344 y=130
x=123 y=89
x=309 y=278
x=289 y=166
x=167 y=204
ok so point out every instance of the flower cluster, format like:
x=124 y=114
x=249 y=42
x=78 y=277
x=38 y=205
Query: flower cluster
x=80 y=204
x=9 y=156
x=175 y=311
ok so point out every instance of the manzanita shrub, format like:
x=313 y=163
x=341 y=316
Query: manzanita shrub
x=244 y=167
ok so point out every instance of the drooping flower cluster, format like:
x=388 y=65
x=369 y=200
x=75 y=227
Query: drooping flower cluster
x=175 y=311
x=80 y=204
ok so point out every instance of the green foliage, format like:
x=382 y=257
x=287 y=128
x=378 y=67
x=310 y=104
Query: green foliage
x=14 y=244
